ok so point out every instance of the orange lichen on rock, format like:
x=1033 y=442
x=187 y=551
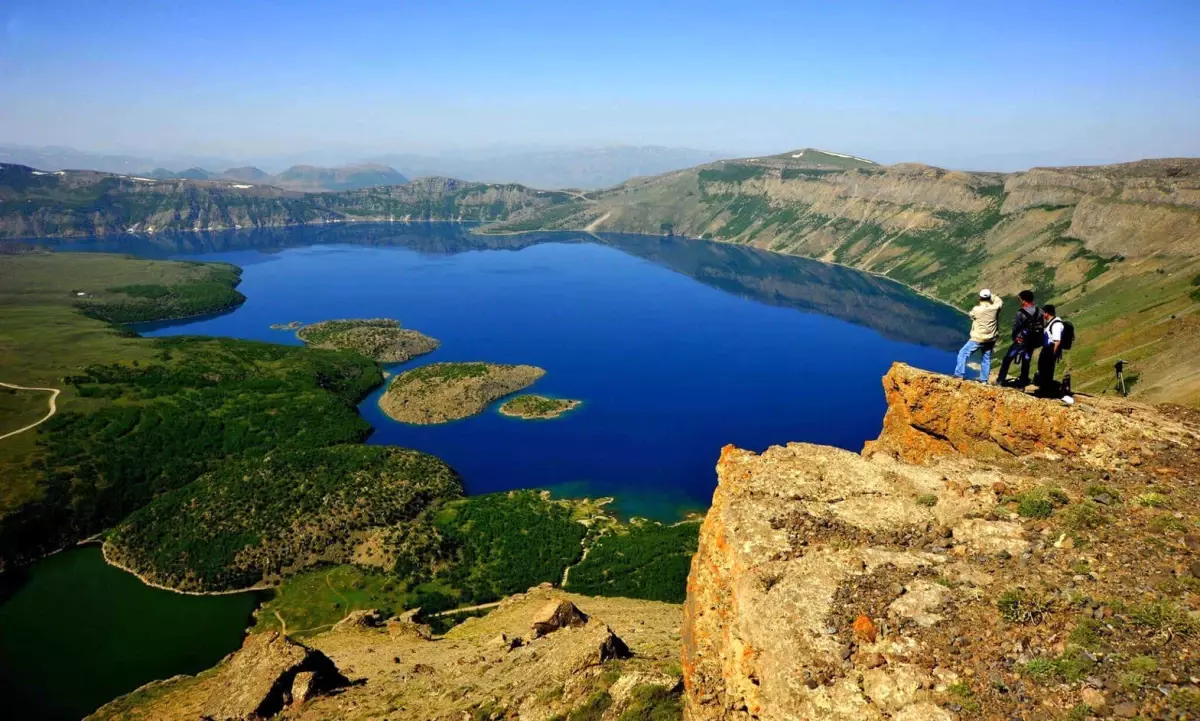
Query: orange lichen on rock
x=932 y=415
x=864 y=629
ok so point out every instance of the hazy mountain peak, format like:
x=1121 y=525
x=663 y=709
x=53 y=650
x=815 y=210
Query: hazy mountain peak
x=825 y=159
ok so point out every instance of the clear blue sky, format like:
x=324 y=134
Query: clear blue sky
x=996 y=84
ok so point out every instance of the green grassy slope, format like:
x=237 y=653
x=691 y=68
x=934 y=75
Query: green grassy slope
x=137 y=417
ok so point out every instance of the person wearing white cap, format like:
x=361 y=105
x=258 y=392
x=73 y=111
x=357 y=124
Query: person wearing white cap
x=985 y=327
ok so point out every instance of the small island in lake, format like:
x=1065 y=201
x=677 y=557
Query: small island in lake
x=532 y=407
x=443 y=392
x=381 y=339
x=294 y=325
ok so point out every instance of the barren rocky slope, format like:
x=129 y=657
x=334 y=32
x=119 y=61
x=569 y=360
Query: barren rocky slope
x=991 y=555
x=540 y=655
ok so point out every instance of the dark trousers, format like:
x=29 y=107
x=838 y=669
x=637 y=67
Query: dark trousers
x=1047 y=359
x=1015 y=350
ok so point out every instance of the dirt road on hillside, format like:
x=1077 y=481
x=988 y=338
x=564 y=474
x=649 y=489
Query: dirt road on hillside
x=53 y=407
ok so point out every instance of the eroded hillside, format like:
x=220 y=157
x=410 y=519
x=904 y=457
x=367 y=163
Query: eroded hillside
x=991 y=555
x=1116 y=247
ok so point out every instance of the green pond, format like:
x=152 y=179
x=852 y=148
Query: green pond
x=76 y=632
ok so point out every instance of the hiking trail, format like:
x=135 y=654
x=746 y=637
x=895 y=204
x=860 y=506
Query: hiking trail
x=53 y=407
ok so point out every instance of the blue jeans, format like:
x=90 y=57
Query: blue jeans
x=985 y=364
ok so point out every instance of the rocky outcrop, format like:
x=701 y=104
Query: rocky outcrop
x=930 y=414
x=555 y=615
x=478 y=670
x=259 y=680
x=959 y=563
x=268 y=674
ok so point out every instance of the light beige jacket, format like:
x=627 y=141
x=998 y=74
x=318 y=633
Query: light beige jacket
x=985 y=326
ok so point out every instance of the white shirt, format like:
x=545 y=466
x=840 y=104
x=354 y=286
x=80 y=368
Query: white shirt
x=1054 y=331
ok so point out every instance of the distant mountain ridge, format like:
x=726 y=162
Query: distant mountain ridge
x=298 y=177
x=580 y=168
x=1116 y=247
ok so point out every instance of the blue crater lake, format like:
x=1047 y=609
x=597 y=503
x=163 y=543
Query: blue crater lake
x=677 y=347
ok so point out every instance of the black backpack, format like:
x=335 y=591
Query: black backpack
x=1035 y=327
x=1068 y=335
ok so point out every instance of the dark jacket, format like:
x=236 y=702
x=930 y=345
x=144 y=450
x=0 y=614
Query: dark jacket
x=1023 y=321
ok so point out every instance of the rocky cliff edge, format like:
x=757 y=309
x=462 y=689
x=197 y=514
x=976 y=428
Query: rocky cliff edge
x=990 y=555
x=540 y=655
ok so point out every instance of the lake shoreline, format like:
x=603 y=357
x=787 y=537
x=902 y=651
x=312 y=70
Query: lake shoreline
x=256 y=588
x=476 y=230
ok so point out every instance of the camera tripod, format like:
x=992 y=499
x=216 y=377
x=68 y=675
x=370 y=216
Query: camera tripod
x=1118 y=378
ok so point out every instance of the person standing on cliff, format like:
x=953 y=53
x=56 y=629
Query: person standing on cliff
x=985 y=327
x=1027 y=334
x=1051 y=352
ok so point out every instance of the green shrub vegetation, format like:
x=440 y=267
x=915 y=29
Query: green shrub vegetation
x=247 y=520
x=1071 y=667
x=807 y=173
x=1083 y=516
x=928 y=500
x=165 y=423
x=646 y=560
x=651 y=702
x=1088 y=633
x=1039 y=502
x=146 y=302
x=964 y=696
x=322 y=332
x=1164 y=617
x=592 y=710
x=730 y=173
x=537 y=406
x=499 y=544
x=442 y=372
x=1152 y=499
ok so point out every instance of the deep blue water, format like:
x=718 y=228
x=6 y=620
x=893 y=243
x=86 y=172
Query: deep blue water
x=676 y=347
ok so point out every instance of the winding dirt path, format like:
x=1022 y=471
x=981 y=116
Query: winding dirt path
x=595 y=224
x=464 y=609
x=53 y=407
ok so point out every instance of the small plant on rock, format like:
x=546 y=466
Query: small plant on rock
x=1166 y=618
x=1083 y=516
x=1016 y=606
x=1087 y=634
x=927 y=499
x=964 y=696
x=1151 y=500
x=1040 y=502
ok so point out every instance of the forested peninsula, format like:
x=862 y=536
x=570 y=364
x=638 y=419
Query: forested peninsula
x=209 y=465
